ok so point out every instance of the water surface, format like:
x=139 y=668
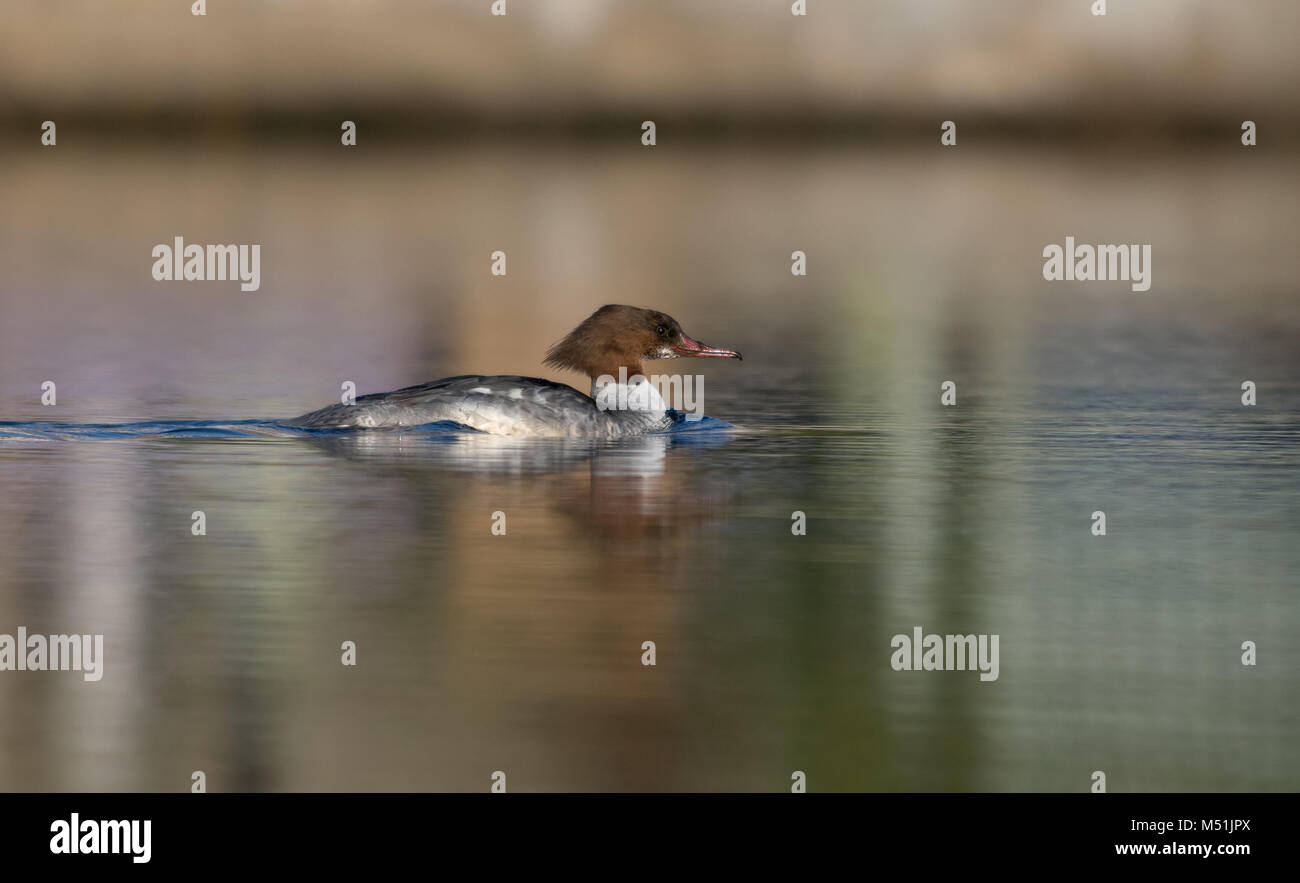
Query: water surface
x=478 y=652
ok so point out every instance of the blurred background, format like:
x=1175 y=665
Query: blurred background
x=774 y=133
x=580 y=66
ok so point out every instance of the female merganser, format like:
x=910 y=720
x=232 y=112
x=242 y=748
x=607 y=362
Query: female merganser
x=608 y=347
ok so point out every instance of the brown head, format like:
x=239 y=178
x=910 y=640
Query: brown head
x=618 y=336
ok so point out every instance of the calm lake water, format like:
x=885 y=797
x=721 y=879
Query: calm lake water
x=522 y=652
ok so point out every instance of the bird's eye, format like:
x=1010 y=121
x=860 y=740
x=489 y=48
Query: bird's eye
x=661 y=330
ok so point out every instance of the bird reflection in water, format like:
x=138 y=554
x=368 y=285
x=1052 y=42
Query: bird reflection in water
x=625 y=488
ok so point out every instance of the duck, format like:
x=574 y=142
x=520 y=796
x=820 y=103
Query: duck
x=609 y=346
